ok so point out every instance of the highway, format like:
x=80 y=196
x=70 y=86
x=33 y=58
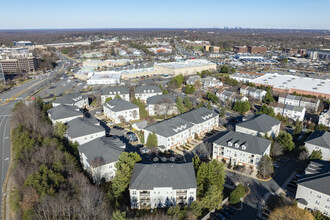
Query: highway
x=20 y=92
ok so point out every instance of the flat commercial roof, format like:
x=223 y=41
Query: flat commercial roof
x=294 y=82
x=185 y=64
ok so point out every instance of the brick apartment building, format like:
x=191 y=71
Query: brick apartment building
x=257 y=49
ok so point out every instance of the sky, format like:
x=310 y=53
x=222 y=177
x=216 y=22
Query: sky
x=63 y=14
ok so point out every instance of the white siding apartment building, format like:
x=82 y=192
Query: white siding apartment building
x=324 y=119
x=225 y=95
x=179 y=130
x=313 y=190
x=99 y=156
x=162 y=105
x=319 y=140
x=112 y=92
x=147 y=91
x=83 y=130
x=253 y=92
x=259 y=126
x=309 y=103
x=76 y=99
x=290 y=111
x=64 y=113
x=241 y=149
x=119 y=110
x=207 y=82
x=161 y=185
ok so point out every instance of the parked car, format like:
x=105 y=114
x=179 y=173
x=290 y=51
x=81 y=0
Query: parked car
x=144 y=150
x=224 y=213
x=220 y=216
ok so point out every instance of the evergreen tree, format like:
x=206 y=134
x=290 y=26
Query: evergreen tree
x=180 y=105
x=152 y=140
x=316 y=155
x=187 y=103
x=189 y=89
x=196 y=162
x=285 y=139
x=242 y=107
x=202 y=180
x=142 y=108
x=222 y=113
x=268 y=97
x=266 y=110
x=237 y=194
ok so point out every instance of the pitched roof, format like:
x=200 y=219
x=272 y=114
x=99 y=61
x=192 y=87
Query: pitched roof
x=158 y=99
x=82 y=126
x=170 y=127
x=294 y=108
x=147 y=89
x=317 y=177
x=199 y=115
x=319 y=138
x=70 y=99
x=293 y=97
x=253 y=144
x=262 y=123
x=114 y=90
x=175 y=175
x=118 y=105
x=106 y=149
x=64 y=111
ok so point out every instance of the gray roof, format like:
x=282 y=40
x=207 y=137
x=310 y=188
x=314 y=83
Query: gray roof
x=319 y=138
x=294 y=108
x=254 y=144
x=64 y=111
x=118 y=105
x=158 y=99
x=262 y=123
x=70 y=99
x=175 y=175
x=147 y=89
x=115 y=89
x=293 y=97
x=104 y=149
x=317 y=177
x=170 y=127
x=82 y=126
x=199 y=115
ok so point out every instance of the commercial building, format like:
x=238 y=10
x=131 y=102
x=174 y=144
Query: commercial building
x=324 y=118
x=20 y=64
x=162 y=105
x=259 y=126
x=22 y=43
x=319 y=54
x=313 y=190
x=104 y=78
x=257 y=49
x=241 y=149
x=214 y=49
x=319 y=141
x=140 y=72
x=83 y=130
x=245 y=77
x=119 y=111
x=64 y=113
x=113 y=91
x=99 y=156
x=160 y=185
x=187 y=67
x=240 y=49
x=289 y=84
x=147 y=91
x=72 y=99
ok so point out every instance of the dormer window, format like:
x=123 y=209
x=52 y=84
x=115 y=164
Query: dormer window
x=118 y=92
x=243 y=147
x=236 y=145
x=110 y=93
x=152 y=90
x=230 y=143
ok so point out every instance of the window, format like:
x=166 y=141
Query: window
x=134 y=192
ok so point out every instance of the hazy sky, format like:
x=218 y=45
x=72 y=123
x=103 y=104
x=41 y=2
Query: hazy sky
x=31 y=14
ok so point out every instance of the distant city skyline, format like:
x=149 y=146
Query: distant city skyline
x=74 y=14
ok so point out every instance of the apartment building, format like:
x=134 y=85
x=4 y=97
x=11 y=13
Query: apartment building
x=313 y=191
x=64 y=113
x=290 y=111
x=319 y=140
x=324 y=118
x=147 y=91
x=73 y=99
x=119 y=111
x=207 y=82
x=241 y=149
x=256 y=49
x=83 y=130
x=253 y=92
x=308 y=103
x=240 y=49
x=259 y=126
x=162 y=105
x=112 y=92
x=203 y=119
x=161 y=185
x=225 y=95
x=171 y=133
x=99 y=156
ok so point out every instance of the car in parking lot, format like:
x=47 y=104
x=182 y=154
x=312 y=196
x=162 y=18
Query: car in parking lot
x=224 y=213
x=218 y=214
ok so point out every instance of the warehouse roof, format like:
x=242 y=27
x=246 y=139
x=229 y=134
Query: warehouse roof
x=185 y=64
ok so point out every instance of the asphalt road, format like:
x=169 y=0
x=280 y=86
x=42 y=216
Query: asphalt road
x=20 y=92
